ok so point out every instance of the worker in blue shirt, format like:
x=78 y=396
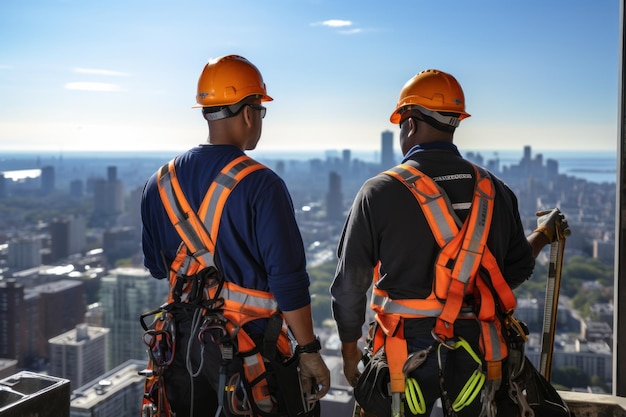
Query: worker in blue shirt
x=259 y=247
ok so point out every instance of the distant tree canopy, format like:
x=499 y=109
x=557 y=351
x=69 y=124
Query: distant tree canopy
x=571 y=377
x=32 y=209
x=586 y=281
x=321 y=277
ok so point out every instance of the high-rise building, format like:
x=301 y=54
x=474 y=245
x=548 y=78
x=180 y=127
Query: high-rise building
x=346 y=162
x=68 y=236
x=387 y=158
x=334 y=197
x=76 y=188
x=79 y=354
x=61 y=306
x=19 y=323
x=3 y=186
x=47 y=179
x=117 y=393
x=111 y=173
x=109 y=194
x=126 y=293
x=121 y=242
x=12 y=322
x=24 y=252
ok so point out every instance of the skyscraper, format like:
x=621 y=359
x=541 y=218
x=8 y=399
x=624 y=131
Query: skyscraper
x=68 y=236
x=334 y=197
x=387 y=158
x=79 y=354
x=47 y=179
x=126 y=293
x=24 y=252
x=61 y=306
x=116 y=393
x=12 y=322
x=3 y=186
x=108 y=197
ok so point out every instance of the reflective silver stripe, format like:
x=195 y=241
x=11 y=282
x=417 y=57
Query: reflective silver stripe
x=190 y=233
x=467 y=266
x=240 y=297
x=389 y=306
x=440 y=218
x=462 y=206
x=224 y=181
x=269 y=305
x=206 y=256
x=472 y=254
x=447 y=120
x=494 y=335
x=436 y=211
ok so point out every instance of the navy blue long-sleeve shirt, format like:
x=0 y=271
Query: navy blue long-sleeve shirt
x=259 y=245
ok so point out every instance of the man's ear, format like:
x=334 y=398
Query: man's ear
x=247 y=115
x=412 y=126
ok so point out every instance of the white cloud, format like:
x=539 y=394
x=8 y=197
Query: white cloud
x=91 y=86
x=335 y=23
x=93 y=71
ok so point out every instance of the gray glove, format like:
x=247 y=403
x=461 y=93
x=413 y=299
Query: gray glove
x=314 y=376
x=552 y=224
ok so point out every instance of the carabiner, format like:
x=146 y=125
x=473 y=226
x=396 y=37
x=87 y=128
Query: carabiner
x=414 y=396
x=416 y=359
x=475 y=382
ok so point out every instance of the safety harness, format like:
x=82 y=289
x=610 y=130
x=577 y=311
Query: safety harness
x=220 y=306
x=465 y=266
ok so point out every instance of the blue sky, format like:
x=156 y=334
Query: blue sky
x=122 y=74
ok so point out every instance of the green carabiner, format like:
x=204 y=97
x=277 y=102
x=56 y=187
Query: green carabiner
x=474 y=384
x=414 y=396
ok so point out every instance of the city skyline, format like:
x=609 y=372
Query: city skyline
x=122 y=76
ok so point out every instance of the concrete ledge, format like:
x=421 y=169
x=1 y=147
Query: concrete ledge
x=29 y=394
x=594 y=405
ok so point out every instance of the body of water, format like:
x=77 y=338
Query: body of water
x=594 y=166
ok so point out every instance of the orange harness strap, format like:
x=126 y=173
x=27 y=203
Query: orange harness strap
x=464 y=251
x=196 y=230
x=199 y=233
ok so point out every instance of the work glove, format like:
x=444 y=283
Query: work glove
x=351 y=360
x=314 y=376
x=552 y=224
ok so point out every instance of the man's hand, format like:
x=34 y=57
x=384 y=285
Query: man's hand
x=552 y=224
x=351 y=355
x=313 y=370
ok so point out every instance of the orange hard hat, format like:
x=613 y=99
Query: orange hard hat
x=228 y=80
x=432 y=92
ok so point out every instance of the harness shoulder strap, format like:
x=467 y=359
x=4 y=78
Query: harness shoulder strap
x=199 y=230
x=463 y=252
x=462 y=248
